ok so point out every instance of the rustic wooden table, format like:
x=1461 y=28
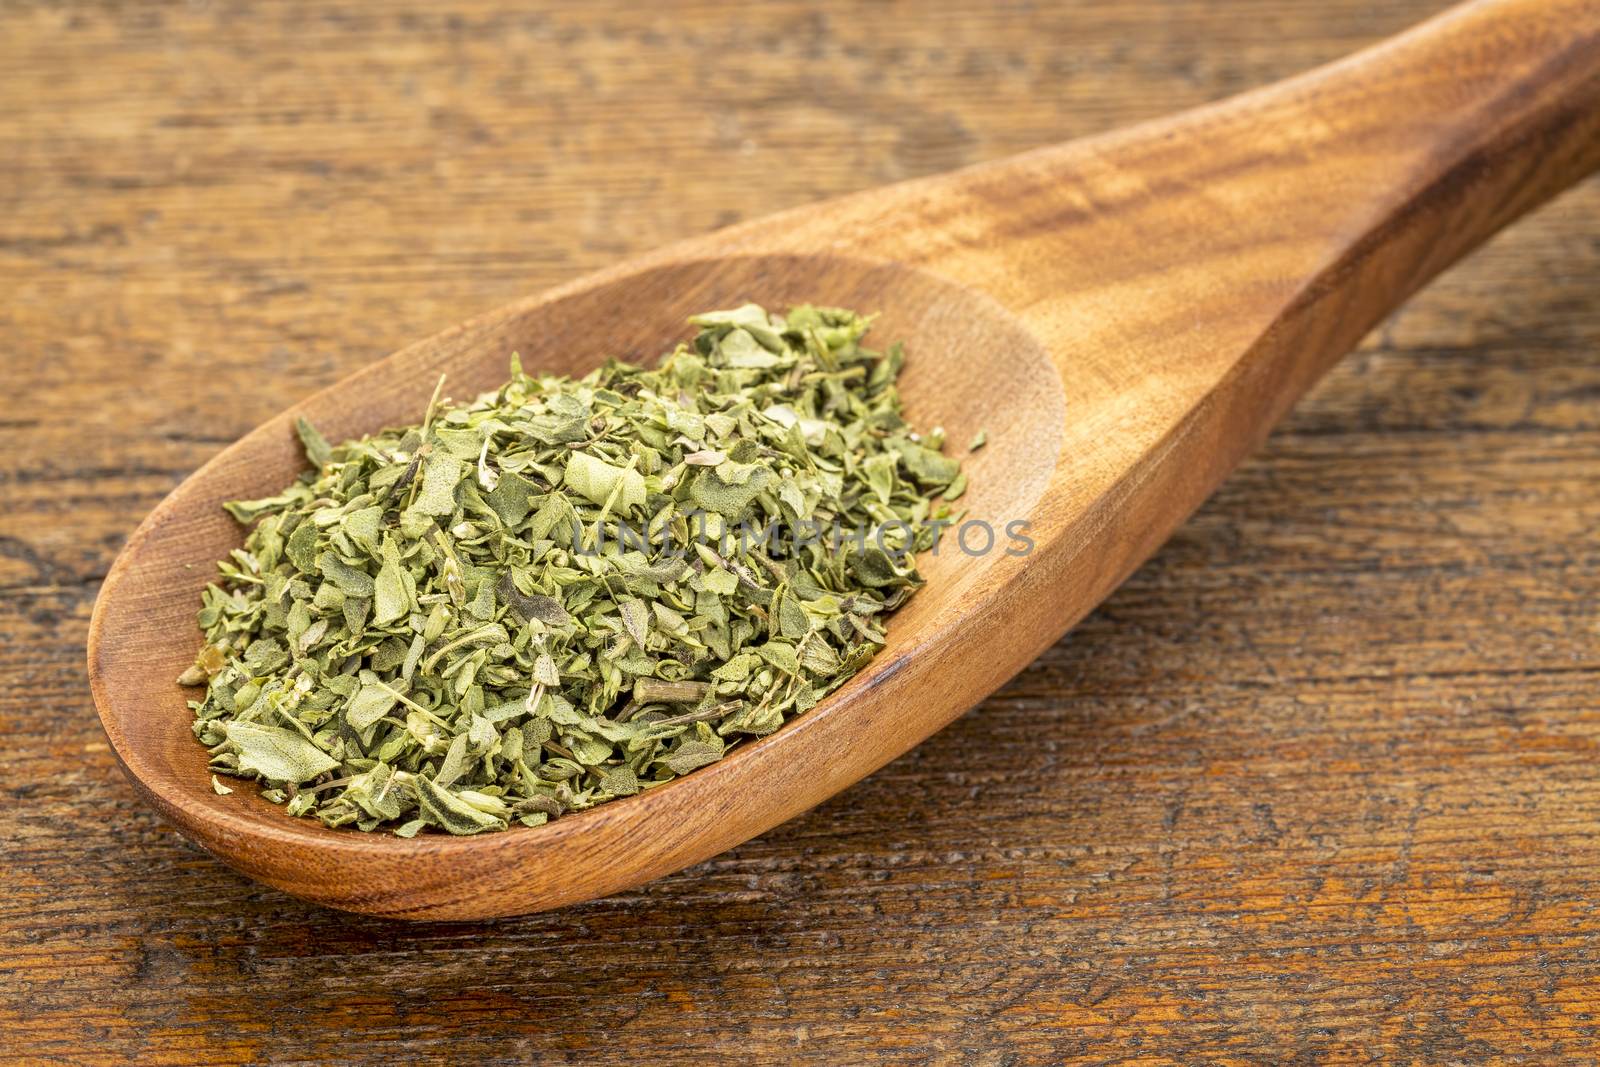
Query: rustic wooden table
x=1319 y=784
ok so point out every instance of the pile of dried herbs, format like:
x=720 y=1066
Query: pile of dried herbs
x=570 y=590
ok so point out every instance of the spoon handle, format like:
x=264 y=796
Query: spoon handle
x=1459 y=126
x=1363 y=178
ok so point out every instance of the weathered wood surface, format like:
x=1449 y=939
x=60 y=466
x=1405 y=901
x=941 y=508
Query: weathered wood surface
x=1318 y=784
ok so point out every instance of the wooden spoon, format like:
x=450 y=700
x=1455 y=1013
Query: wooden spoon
x=1127 y=315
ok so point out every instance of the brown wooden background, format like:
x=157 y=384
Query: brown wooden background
x=1319 y=784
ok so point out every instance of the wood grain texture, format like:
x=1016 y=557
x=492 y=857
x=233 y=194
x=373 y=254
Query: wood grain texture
x=1317 y=784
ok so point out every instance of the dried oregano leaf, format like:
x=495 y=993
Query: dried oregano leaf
x=277 y=754
x=569 y=591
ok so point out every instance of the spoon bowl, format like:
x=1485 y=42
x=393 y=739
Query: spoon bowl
x=145 y=633
x=1125 y=315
